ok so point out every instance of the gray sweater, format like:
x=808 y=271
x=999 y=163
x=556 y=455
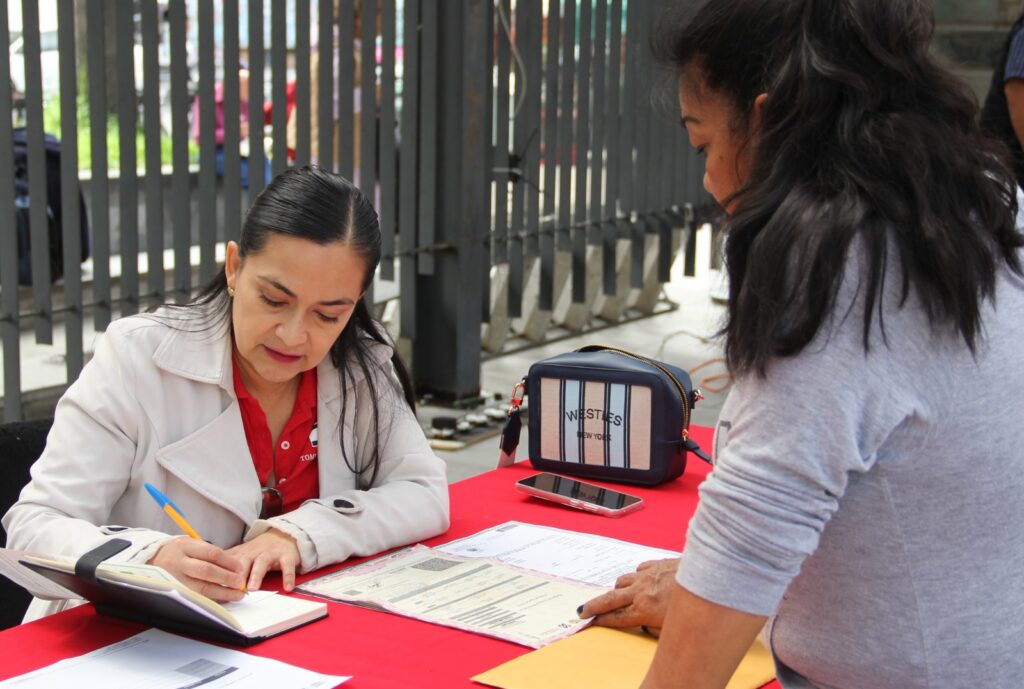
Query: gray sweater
x=873 y=503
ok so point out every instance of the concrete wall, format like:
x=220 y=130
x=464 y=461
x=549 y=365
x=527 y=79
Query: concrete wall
x=969 y=35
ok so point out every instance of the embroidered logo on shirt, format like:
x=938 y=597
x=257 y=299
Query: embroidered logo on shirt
x=313 y=435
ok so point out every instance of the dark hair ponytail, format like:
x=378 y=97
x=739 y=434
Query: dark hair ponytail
x=319 y=206
x=863 y=135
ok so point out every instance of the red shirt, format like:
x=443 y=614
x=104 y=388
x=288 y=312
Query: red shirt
x=296 y=471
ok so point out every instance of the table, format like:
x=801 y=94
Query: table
x=384 y=651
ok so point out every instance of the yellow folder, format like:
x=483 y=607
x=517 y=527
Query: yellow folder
x=601 y=658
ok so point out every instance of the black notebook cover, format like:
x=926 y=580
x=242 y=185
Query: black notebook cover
x=148 y=607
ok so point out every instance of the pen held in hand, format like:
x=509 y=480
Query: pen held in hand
x=180 y=521
x=175 y=513
x=172 y=511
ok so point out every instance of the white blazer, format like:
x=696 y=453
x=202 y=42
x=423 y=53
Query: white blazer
x=157 y=404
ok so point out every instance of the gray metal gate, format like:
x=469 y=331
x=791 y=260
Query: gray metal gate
x=524 y=180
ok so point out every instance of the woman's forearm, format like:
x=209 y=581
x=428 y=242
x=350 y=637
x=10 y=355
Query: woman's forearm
x=701 y=643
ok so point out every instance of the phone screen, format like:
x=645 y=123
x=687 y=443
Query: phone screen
x=577 y=490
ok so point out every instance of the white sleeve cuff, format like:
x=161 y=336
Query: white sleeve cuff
x=307 y=552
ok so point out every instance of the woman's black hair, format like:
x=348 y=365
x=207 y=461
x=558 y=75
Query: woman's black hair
x=316 y=205
x=862 y=135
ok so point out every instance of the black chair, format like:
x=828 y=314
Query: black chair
x=21 y=443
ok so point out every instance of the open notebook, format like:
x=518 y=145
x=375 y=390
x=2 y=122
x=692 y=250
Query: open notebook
x=151 y=595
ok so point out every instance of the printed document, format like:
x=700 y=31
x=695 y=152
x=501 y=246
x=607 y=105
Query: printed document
x=567 y=554
x=477 y=595
x=158 y=660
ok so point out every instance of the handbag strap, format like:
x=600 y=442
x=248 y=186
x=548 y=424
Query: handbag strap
x=513 y=430
x=688 y=442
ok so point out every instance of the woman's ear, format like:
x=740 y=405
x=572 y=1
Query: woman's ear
x=758 y=111
x=232 y=262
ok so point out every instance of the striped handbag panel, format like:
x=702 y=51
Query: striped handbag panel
x=590 y=422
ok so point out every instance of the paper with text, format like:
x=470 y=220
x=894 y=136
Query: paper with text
x=568 y=554
x=158 y=660
x=482 y=596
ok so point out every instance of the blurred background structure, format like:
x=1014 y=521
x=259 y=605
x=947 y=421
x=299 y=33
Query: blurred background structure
x=525 y=157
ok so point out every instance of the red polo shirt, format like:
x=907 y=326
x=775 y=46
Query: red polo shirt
x=296 y=473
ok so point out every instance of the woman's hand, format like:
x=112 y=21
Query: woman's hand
x=272 y=550
x=203 y=567
x=639 y=599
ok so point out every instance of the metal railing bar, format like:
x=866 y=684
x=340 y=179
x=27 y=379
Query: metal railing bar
x=627 y=132
x=490 y=154
x=128 y=192
x=257 y=63
x=526 y=141
x=532 y=46
x=597 y=200
x=388 y=147
x=582 y=138
x=638 y=244
x=208 y=143
x=428 y=188
x=565 y=118
x=302 y=85
x=232 y=184
x=181 y=219
x=38 y=222
x=551 y=149
x=408 y=193
x=609 y=267
x=324 y=97
x=279 y=87
x=520 y=25
x=368 y=94
x=345 y=130
x=99 y=186
x=71 y=219
x=10 y=328
x=502 y=115
x=153 y=185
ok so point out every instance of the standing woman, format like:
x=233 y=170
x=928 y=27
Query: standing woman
x=272 y=410
x=866 y=500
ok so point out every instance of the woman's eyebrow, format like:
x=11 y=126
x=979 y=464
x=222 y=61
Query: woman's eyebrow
x=344 y=301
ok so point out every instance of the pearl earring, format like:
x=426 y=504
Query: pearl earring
x=231 y=292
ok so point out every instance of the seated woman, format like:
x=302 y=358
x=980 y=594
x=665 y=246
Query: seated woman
x=272 y=410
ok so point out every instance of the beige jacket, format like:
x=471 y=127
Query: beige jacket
x=157 y=404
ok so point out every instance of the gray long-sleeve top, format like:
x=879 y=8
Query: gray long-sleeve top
x=872 y=504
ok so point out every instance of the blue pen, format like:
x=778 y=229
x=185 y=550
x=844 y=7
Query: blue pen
x=172 y=511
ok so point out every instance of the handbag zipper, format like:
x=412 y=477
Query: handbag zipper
x=657 y=365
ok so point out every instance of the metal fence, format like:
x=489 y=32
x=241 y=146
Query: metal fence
x=523 y=178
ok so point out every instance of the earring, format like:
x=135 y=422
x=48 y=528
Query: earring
x=231 y=292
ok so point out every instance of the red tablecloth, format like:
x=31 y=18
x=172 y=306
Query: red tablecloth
x=384 y=651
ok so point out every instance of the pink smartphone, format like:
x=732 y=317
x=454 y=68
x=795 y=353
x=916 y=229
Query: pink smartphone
x=578 y=494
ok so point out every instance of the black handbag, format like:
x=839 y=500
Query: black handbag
x=607 y=414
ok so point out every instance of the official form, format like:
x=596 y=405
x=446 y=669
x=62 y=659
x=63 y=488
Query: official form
x=568 y=554
x=478 y=595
